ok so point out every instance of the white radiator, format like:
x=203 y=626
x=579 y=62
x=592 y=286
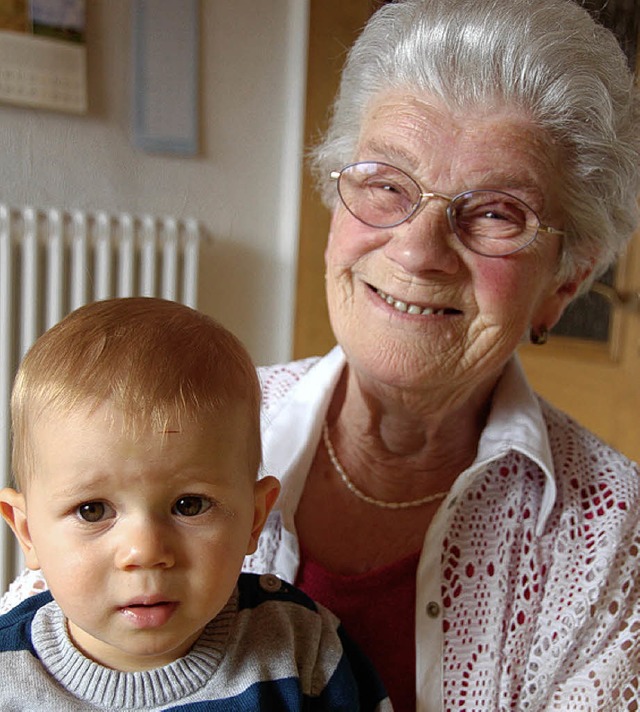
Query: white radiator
x=53 y=261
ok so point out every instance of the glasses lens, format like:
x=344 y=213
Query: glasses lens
x=377 y=194
x=493 y=223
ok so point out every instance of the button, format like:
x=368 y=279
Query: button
x=433 y=609
x=270 y=583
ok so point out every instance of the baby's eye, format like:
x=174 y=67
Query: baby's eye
x=94 y=511
x=191 y=505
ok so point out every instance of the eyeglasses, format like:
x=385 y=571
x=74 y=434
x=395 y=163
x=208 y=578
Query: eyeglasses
x=488 y=222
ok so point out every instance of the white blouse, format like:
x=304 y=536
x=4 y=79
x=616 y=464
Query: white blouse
x=527 y=588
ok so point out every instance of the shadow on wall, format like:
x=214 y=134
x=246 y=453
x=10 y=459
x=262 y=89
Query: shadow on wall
x=233 y=283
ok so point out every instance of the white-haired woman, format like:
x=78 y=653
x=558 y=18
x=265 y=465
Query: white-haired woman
x=482 y=167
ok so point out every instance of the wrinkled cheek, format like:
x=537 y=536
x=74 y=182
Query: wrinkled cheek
x=342 y=308
x=327 y=248
x=349 y=240
x=499 y=286
x=495 y=280
x=331 y=237
x=338 y=272
x=337 y=298
x=338 y=254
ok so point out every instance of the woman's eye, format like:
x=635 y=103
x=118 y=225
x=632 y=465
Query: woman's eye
x=495 y=215
x=387 y=186
x=94 y=511
x=512 y=211
x=191 y=506
x=512 y=214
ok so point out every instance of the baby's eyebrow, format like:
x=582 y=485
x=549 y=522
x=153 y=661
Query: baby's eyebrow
x=86 y=485
x=78 y=493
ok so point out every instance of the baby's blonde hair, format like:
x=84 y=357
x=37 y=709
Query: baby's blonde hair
x=154 y=360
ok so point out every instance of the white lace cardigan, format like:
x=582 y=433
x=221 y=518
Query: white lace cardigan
x=528 y=593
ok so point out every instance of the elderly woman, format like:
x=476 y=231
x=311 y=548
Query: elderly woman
x=481 y=167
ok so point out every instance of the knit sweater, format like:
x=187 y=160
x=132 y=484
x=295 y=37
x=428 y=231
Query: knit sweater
x=270 y=648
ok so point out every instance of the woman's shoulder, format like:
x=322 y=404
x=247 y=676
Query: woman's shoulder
x=26 y=584
x=277 y=380
x=584 y=460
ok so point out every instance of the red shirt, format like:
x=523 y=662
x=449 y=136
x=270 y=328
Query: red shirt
x=377 y=609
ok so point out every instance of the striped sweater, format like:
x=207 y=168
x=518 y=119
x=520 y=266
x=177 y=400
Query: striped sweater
x=270 y=648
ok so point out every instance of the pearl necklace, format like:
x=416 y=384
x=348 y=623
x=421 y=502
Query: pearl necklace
x=351 y=486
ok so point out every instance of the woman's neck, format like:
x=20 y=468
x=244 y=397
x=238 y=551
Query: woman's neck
x=394 y=447
x=407 y=438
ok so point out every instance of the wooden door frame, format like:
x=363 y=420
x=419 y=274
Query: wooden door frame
x=333 y=27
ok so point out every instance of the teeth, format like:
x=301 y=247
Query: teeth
x=404 y=307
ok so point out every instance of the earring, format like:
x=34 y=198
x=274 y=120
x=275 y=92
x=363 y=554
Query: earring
x=539 y=337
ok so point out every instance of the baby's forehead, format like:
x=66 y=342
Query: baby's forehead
x=109 y=431
x=133 y=418
x=75 y=438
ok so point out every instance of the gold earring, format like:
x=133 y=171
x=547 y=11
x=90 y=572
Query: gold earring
x=539 y=337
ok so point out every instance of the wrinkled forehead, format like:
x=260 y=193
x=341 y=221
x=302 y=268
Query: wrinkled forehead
x=452 y=150
x=418 y=114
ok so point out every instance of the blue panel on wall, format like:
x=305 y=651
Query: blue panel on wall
x=166 y=76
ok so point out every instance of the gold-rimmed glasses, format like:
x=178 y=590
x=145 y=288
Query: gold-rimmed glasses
x=492 y=223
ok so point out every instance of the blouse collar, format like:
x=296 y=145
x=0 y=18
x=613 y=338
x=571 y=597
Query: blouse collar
x=291 y=434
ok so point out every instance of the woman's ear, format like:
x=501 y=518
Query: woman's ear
x=14 y=510
x=553 y=305
x=265 y=496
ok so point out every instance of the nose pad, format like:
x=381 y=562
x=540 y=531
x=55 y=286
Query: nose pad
x=145 y=545
x=424 y=200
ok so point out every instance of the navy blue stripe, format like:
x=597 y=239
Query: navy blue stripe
x=357 y=666
x=277 y=695
x=252 y=594
x=15 y=625
x=283 y=696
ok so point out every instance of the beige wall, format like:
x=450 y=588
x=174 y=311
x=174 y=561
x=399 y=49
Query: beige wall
x=243 y=186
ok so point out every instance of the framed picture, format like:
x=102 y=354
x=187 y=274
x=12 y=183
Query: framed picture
x=43 y=54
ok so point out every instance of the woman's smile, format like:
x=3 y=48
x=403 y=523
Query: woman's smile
x=414 y=309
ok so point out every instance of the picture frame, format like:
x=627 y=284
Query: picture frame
x=43 y=54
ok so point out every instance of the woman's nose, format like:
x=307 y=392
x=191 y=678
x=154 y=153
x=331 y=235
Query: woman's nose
x=425 y=243
x=145 y=543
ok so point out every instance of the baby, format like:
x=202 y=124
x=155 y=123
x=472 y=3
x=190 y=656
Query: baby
x=136 y=448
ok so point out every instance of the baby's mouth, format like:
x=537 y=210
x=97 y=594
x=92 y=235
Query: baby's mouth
x=150 y=614
x=408 y=308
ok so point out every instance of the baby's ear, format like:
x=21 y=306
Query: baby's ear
x=265 y=496
x=14 y=511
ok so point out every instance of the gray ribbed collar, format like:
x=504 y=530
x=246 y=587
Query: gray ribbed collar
x=104 y=687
